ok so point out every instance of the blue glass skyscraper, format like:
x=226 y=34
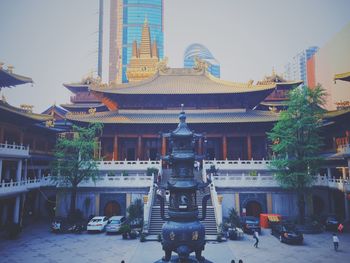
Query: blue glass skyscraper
x=201 y=52
x=126 y=23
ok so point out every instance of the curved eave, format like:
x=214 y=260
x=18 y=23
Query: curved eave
x=336 y=113
x=289 y=85
x=171 y=116
x=8 y=79
x=342 y=76
x=181 y=82
x=76 y=87
x=8 y=109
x=82 y=106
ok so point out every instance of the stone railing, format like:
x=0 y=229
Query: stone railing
x=237 y=164
x=217 y=206
x=245 y=180
x=125 y=165
x=147 y=209
x=14 y=150
x=8 y=188
x=126 y=181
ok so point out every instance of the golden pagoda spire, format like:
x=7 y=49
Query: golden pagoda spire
x=134 y=49
x=145 y=46
x=154 y=49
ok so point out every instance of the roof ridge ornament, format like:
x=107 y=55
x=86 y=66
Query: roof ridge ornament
x=199 y=64
x=162 y=65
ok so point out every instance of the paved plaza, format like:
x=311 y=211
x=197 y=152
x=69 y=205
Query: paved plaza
x=37 y=244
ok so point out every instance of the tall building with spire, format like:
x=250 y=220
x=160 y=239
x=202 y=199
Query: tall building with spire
x=144 y=59
x=126 y=25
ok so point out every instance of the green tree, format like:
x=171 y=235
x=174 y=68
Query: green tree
x=73 y=159
x=135 y=211
x=297 y=142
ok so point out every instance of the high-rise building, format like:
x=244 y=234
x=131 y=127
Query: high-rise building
x=126 y=22
x=199 y=51
x=297 y=67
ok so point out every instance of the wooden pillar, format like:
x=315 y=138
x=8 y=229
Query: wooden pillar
x=21 y=135
x=2 y=135
x=200 y=146
x=139 y=148
x=163 y=146
x=97 y=204
x=115 y=148
x=269 y=203
x=224 y=147
x=249 y=147
x=237 y=206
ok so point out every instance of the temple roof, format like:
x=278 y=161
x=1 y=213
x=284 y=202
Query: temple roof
x=8 y=79
x=77 y=87
x=82 y=105
x=54 y=109
x=7 y=108
x=182 y=81
x=342 y=76
x=171 y=116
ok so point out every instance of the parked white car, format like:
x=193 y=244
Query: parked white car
x=98 y=223
x=114 y=224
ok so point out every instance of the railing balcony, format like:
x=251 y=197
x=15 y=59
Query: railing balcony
x=129 y=165
x=233 y=180
x=123 y=181
x=12 y=188
x=13 y=150
x=237 y=164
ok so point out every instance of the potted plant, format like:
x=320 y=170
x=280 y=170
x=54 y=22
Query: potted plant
x=142 y=237
x=133 y=234
x=125 y=230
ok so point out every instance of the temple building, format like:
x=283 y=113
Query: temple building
x=26 y=143
x=278 y=99
x=144 y=59
x=234 y=118
x=83 y=101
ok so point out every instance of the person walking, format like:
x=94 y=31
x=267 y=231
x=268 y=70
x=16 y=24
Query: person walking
x=335 y=242
x=256 y=237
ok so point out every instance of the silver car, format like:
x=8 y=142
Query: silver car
x=114 y=224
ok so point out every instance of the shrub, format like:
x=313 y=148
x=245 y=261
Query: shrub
x=152 y=171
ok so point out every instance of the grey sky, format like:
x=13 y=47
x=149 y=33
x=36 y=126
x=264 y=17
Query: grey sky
x=55 y=41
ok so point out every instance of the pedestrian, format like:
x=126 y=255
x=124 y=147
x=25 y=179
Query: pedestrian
x=256 y=237
x=232 y=261
x=340 y=228
x=240 y=261
x=335 y=242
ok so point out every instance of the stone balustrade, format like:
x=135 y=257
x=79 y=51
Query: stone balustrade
x=237 y=164
x=14 y=150
x=126 y=165
x=124 y=181
x=234 y=180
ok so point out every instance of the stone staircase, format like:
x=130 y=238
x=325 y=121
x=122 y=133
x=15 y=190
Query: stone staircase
x=156 y=221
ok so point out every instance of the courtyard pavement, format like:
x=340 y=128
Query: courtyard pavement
x=37 y=244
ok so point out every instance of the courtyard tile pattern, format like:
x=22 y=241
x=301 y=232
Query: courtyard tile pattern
x=37 y=244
